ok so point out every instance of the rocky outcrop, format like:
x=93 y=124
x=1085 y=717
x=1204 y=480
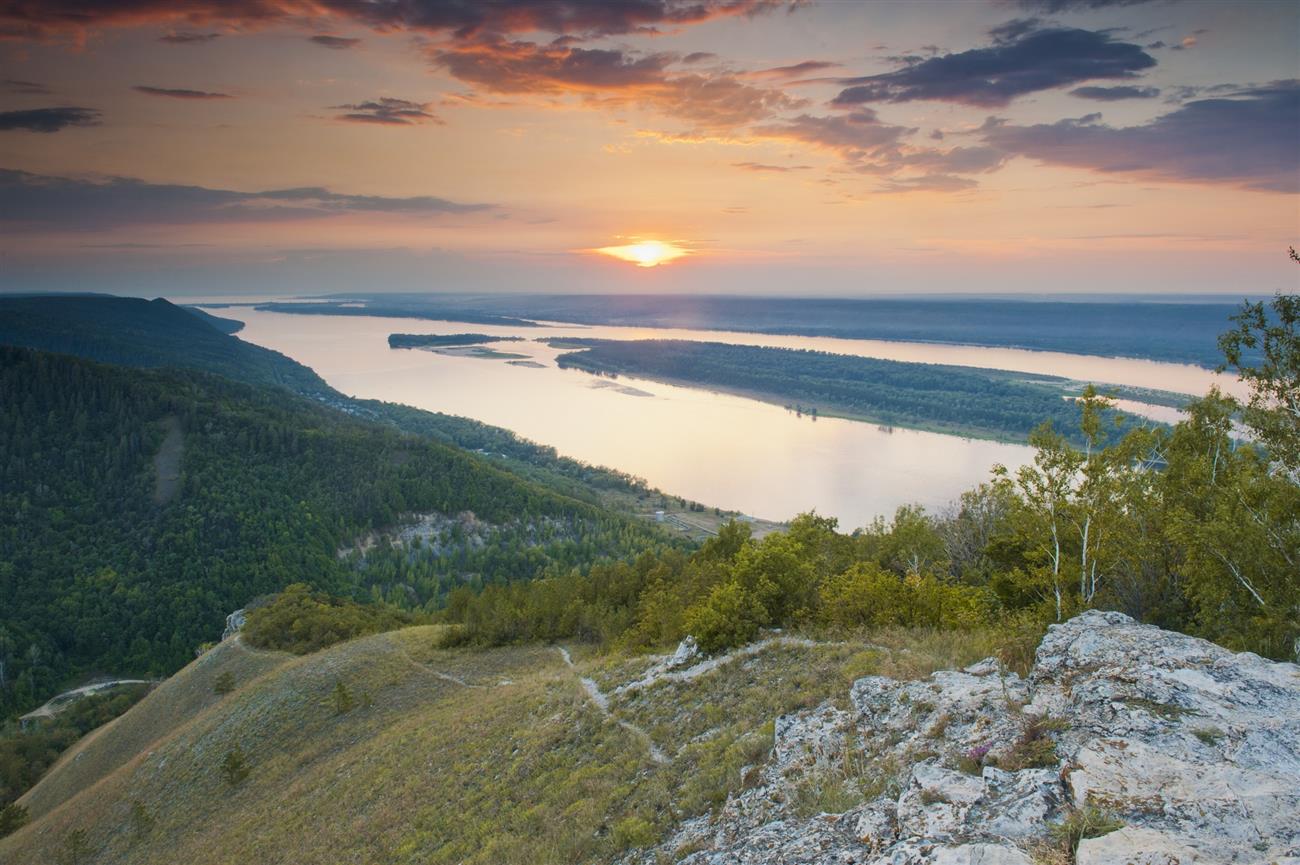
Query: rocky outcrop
x=1129 y=743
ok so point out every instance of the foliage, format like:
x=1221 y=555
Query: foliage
x=99 y=572
x=954 y=399
x=1273 y=412
x=224 y=684
x=26 y=754
x=302 y=621
x=12 y=818
x=1081 y=823
x=234 y=766
x=343 y=701
x=431 y=340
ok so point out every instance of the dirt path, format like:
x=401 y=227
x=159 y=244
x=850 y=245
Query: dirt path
x=601 y=699
x=660 y=673
x=60 y=702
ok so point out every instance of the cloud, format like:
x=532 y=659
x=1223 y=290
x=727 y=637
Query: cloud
x=34 y=200
x=387 y=111
x=993 y=76
x=1054 y=6
x=177 y=93
x=47 y=119
x=797 y=70
x=698 y=56
x=611 y=78
x=855 y=136
x=1248 y=140
x=188 y=38
x=338 y=43
x=25 y=88
x=1115 y=94
x=760 y=167
x=44 y=19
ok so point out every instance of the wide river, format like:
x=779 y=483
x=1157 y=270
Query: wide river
x=710 y=447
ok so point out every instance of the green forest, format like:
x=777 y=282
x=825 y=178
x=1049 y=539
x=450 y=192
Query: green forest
x=951 y=399
x=432 y=340
x=1189 y=527
x=106 y=565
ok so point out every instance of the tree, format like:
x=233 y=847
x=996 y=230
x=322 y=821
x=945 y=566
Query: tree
x=1273 y=410
x=234 y=767
x=12 y=818
x=343 y=701
x=224 y=684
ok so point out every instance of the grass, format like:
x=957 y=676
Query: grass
x=448 y=755
x=1078 y=824
x=1035 y=749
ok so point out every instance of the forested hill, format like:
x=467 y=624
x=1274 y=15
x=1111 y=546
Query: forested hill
x=141 y=506
x=146 y=333
x=155 y=333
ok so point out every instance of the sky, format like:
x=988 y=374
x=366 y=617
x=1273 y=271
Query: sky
x=823 y=148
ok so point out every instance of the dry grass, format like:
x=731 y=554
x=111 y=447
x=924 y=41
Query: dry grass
x=447 y=756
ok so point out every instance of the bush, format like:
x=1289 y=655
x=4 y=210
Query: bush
x=234 y=768
x=12 y=818
x=301 y=621
x=730 y=616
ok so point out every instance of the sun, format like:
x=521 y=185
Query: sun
x=645 y=253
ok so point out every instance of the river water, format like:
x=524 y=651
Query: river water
x=714 y=448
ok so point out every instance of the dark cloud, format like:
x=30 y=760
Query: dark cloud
x=760 y=167
x=1054 y=6
x=25 y=88
x=33 y=200
x=47 y=119
x=387 y=111
x=1015 y=29
x=797 y=70
x=611 y=78
x=338 y=43
x=698 y=56
x=1115 y=94
x=188 y=38
x=1248 y=140
x=179 y=93
x=856 y=136
x=37 y=19
x=505 y=66
x=993 y=76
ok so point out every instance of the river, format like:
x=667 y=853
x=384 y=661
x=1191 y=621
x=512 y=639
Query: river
x=714 y=448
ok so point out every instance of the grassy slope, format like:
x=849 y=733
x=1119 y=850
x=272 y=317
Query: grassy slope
x=522 y=768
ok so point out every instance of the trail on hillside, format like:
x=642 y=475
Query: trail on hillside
x=663 y=673
x=601 y=699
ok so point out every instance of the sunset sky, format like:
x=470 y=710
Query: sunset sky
x=821 y=148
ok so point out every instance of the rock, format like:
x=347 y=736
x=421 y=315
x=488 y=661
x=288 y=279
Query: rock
x=1191 y=750
x=1135 y=846
x=687 y=653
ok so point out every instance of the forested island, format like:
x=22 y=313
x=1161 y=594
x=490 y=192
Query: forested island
x=1167 y=330
x=951 y=399
x=450 y=340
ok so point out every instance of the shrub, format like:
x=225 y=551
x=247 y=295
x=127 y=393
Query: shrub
x=224 y=684
x=729 y=616
x=301 y=621
x=12 y=818
x=234 y=767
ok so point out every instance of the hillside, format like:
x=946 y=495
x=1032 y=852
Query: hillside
x=148 y=504
x=787 y=750
x=156 y=333
x=146 y=333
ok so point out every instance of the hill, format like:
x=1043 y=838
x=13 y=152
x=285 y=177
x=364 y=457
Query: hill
x=865 y=750
x=147 y=504
x=146 y=333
